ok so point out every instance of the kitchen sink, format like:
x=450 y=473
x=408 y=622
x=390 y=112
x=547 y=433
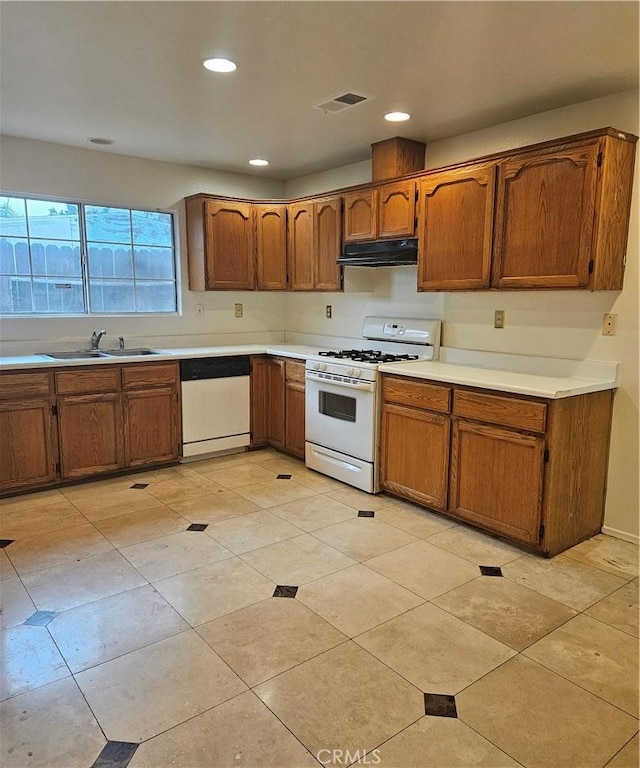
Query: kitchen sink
x=87 y=354
x=83 y=354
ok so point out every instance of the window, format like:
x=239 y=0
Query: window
x=67 y=258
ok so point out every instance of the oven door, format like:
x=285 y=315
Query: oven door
x=341 y=416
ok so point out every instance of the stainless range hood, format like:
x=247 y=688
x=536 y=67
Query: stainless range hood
x=380 y=253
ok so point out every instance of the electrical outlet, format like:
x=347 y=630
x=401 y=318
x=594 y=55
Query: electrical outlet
x=328 y=310
x=498 y=318
x=238 y=310
x=199 y=310
x=609 y=325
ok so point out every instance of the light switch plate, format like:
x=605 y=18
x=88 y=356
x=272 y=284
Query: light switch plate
x=609 y=325
x=498 y=318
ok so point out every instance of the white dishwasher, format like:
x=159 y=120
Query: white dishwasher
x=215 y=404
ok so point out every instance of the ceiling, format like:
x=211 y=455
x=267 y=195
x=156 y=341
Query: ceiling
x=132 y=71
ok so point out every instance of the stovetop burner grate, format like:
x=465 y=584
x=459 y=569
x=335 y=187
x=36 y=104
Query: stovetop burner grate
x=367 y=356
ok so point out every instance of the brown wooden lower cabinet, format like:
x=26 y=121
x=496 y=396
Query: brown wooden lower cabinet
x=408 y=435
x=497 y=479
x=276 y=434
x=151 y=429
x=528 y=469
x=27 y=448
x=90 y=428
x=81 y=422
x=278 y=404
x=294 y=424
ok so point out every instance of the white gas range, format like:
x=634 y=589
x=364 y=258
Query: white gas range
x=342 y=416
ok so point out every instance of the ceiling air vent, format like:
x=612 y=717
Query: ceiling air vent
x=338 y=103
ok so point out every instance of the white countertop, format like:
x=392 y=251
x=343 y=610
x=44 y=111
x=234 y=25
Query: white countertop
x=299 y=351
x=551 y=378
x=538 y=376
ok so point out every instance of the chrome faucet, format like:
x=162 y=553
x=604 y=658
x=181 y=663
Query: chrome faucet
x=95 y=339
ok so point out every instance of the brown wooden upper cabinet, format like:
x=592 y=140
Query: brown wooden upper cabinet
x=314 y=243
x=456 y=227
x=551 y=215
x=380 y=212
x=229 y=245
x=236 y=245
x=271 y=246
x=554 y=215
x=562 y=215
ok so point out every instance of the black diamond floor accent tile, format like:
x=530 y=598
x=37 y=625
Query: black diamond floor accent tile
x=41 y=618
x=139 y=486
x=5 y=542
x=115 y=754
x=282 y=591
x=366 y=513
x=440 y=705
x=490 y=570
x=283 y=477
x=198 y=526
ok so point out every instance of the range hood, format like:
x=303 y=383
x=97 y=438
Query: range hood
x=380 y=253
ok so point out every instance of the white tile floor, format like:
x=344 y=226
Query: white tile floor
x=129 y=640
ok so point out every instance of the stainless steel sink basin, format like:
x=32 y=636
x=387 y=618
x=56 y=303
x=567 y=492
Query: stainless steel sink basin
x=129 y=352
x=79 y=355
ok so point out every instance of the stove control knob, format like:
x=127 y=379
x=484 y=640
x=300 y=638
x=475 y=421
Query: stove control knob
x=316 y=366
x=357 y=373
x=349 y=371
x=322 y=366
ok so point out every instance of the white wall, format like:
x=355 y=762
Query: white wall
x=39 y=168
x=558 y=324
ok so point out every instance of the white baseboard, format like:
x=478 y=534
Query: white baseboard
x=633 y=538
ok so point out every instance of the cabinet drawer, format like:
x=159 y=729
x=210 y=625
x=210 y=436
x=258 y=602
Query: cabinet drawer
x=88 y=380
x=149 y=375
x=18 y=386
x=507 y=411
x=416 y=393
x=294 y=370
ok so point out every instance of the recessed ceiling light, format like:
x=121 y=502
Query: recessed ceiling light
x=397 y=117
x=99 y=140
x=258 y=161
x=219 y=65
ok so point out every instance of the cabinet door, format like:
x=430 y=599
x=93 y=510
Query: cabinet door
x=259 y=401
x=360 y=215
x=397 y=209
x=27 y=455
x=271 y=247
x=276 y=386
x=544 y=218
x=415 y=454
x=294 y=421
x=328 y=242
x=151 y=426
x=91 y=434
x=496 y=479
x=456 y=226
x=229 y=245
x=301 y=246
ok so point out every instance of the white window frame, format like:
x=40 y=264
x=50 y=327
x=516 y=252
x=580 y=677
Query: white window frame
x=84 y=257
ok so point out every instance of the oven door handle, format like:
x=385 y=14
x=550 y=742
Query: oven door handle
x=366 y=386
